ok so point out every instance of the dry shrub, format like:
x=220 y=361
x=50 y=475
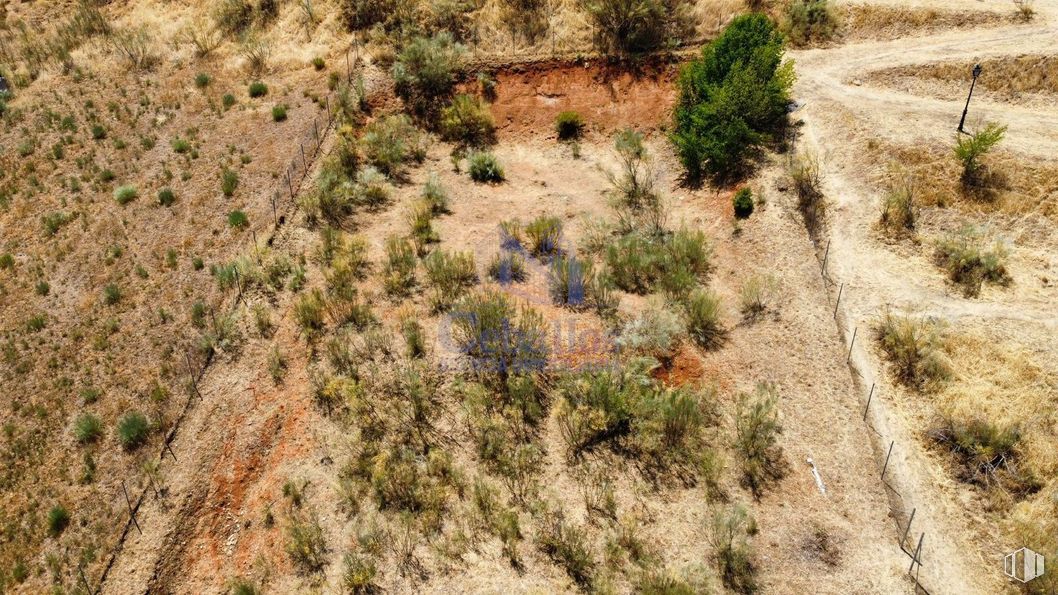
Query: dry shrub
x=915 y=347
x=136 y=47
x=809 y=22
x=1025 y=9
x=807 y=178
x=757 y=430
x=731 y=528
x=899 y=208
x=969 y=262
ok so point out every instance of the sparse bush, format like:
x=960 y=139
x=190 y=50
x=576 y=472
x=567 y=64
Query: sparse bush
x=233 y=16
x=971 y=148
x=467 y=121
x=733 y=99
x=258 y=89
x=988 y=453
x=370 y=189
x=569 y=281
x=568 y=546
x=364 y=14
x=434 y=194
x=306 y=546
x=498 y=338
x=358 y=577
x=180 y=145
x=308 y=312
x=757 y=429
x=202 y=80
x=228 y=100
x=703 y=318
x=757 y=293
x=125 y=194
x=318 y=63
x=743 y=203
x=508 y=267
x=238 y=220
x=449 y=275
x=676 y=263
x=398 y=274
x=229 y=181
x=969 y=263
x=810 y=21
x=166 y=197
x=732 y=550
x=915 y=347
x=279 y=113
x=420 y=220
x=635 y=26
x=656 y=332
x=58 y=520
x=568 y=125
x=484 y=167
x=634 y=197
x=111 y=294
x=1025 y=9
x=425 y=70
x=136 y=46
x=544 y=234
x=803 y=170
x=391 y=141
x=899 y=211
x=132 y=430
x=87 y=428
x=98 y=132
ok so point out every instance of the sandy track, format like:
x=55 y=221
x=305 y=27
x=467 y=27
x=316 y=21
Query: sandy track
x=961 y=551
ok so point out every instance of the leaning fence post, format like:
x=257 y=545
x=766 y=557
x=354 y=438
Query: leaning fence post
x=826 y=255
x=304 y=164
x=128 y=502
x=191 y=375
x=869 y=397
x=80 y=570
x=275 y=213
x=840 y=291
x=169 y=447
x=914 y=559
x=852 y=344
x=316 y=131
x=886 y=466
x=907 y=531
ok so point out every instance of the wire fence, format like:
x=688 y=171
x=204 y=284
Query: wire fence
x=899 y=503
x=283 y=201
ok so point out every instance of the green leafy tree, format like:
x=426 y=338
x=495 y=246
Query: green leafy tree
x=733 y=99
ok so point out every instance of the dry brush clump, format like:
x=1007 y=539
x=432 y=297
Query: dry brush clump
x=970 y=262
x=757 y=429
x=916 y=349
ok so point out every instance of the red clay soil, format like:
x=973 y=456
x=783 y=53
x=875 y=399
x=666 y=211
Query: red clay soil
x=529 y=96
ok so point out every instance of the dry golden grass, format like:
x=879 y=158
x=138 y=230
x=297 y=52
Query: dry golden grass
x=861 y=21
x=1007 y=79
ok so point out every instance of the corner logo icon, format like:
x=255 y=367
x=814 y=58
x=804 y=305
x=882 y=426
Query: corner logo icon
x=1023 y=565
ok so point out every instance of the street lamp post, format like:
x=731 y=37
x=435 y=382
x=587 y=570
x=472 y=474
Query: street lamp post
x=976 y=73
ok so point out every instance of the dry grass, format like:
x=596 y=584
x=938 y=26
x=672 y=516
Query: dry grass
x=861 y=21
x=1032 y=77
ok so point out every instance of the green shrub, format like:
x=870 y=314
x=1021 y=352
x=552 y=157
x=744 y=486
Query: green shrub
x=132 y=430
x=633 y=195
x=971 y=148
x=484 y=167
x=569 y=125
x=970 y=263
x=166 y=197
x=570 y=281
x=258 y=89
x=202 y=80
x=98 y=132
x=279 y=113
x=358 y=576
x=370 y=189
x=468 y=122
x=125 y=194
x=308 y=312
x=733 y=99
x=318 y=63
x=228 y=100
x=229 y=181
x=111 y=294
x=434 y=194
x=391 y=141
x=507 y=267
x=676 y=263
x=756 y=295
x=634 y=26
x=238 y=220
x=498 y=338
x=426 y=69
x=449 y=275
x=36 y=323
x=731 y=526
x=7 y=261
x=757 y=429
x=58 y=520
x=743 y=203
x=703 y=318
x=544 y=234
x=420 y=220
x=899 y=211
x=87 y=428
x=988 y=453
x=43 y=288
x=180 y=145
x=810 y=21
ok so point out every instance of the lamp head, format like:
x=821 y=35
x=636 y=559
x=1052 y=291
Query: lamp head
x=977 y=70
